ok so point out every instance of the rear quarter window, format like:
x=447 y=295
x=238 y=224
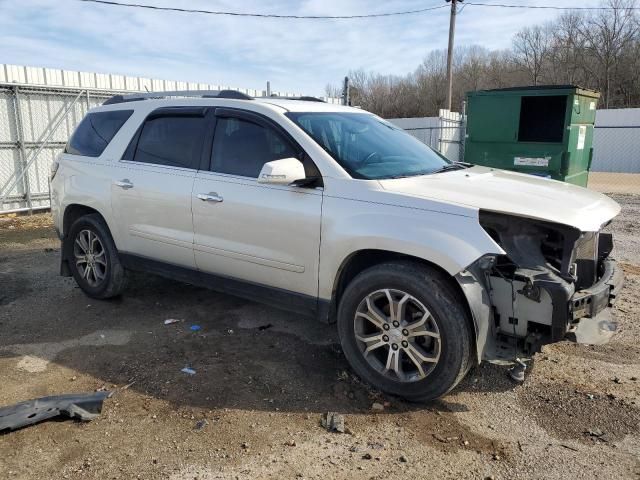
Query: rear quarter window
x=95 y=132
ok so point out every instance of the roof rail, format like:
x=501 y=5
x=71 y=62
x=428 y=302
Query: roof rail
x=134 y=97
x=303 y=98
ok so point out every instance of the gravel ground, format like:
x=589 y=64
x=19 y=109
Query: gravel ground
x=626 y=229
x=264 y=378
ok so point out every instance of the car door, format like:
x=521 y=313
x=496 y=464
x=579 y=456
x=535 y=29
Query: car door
x=153 y=183
x=266 y=235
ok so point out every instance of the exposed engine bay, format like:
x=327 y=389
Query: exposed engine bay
x=551 y=276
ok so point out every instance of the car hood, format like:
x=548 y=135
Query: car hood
x=512 y=193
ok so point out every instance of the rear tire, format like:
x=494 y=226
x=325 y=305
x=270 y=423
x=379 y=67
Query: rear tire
x=93 y=258
x=412 y=325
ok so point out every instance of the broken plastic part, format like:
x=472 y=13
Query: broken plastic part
x=82 y=406
x=517 y=371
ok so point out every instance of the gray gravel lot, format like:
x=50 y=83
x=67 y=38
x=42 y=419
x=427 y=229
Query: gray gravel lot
x=264 y=377
x=626 y=229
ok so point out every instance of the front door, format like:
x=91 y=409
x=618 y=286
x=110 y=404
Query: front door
x=264 y=234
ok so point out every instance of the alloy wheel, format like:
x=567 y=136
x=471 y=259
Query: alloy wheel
x=397 y=335
x=90 y=257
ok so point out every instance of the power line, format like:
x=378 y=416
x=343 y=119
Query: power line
x=264 y=15
x=343 y=17
x=547 y=7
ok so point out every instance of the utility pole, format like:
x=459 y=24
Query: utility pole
x=346 y=94
x=452 y=32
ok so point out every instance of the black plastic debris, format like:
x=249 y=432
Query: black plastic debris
x=81 y=406
x=333 y=422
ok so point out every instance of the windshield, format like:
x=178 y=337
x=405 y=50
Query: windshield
x=368 y=147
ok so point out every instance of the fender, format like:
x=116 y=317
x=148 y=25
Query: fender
x=86 y=183
x=452 y=242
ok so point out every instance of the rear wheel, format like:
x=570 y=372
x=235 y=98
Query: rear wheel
x=93 y=258
x=403 y=329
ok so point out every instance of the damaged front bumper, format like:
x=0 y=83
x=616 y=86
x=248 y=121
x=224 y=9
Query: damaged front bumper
x=588 y=303
x=551 y=278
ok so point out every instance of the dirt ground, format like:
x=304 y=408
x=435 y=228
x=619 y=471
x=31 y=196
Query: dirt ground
x=264 y=377
x=617 y=183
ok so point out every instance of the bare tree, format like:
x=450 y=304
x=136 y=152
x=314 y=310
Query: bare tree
x=531 y=47
x=567 y=53
x=607 y=34
x=333 y=91
x=431 y=79
x=471 y=67
x=599 y=51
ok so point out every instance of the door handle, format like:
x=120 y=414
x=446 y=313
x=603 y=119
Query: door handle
x=210 y=197
x=125 y=184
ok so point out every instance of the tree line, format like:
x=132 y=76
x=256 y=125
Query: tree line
x=597 y=49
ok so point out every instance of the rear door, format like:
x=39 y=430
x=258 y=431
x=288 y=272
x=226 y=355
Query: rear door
x=265 y=234
x=153 y=182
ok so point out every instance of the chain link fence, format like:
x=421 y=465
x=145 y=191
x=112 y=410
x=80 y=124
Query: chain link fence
x=35 y=123
x=39 y=110
x=616 y=159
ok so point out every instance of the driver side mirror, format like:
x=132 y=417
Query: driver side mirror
x=282 y=172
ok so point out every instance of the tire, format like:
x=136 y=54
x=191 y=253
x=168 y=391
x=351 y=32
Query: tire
x=105 y=277
x=445 y=334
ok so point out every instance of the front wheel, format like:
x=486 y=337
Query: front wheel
x=404 y=330
x=93 y=258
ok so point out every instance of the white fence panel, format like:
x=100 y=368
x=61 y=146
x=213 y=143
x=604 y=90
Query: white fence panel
x=33 y=99
x=444 y=133
x=616 y=142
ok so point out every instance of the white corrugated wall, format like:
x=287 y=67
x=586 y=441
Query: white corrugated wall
x=43 y=94
x=616 y=142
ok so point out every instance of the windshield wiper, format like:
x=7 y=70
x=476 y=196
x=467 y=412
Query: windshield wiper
x=452 y=166
x=445 y=168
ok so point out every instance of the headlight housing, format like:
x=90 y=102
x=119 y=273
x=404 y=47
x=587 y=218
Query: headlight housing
x=531 y=243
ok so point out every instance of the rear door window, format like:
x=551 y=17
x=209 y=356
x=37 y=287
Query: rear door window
x=242 y=147
x=95 y=132
x=174 y=141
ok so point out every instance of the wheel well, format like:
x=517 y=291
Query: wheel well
x=71 y=214
x=74 y=212
x=363 y=259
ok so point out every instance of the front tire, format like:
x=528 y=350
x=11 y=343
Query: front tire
x=404 y=330
x=93 y=258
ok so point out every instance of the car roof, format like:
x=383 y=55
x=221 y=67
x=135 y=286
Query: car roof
x=304 y=105
x=280 y=105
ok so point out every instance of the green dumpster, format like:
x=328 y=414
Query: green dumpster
x=541 y=130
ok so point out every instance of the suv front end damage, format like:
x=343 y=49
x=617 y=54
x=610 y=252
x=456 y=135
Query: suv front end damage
x=550 y=277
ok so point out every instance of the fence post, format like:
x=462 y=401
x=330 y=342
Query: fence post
x=463 y=130
x=440 y=127
x=44 y=139
x=24 y=166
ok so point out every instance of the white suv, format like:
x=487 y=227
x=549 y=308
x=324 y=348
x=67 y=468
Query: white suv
x=427 y=266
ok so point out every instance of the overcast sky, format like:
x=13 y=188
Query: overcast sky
x=295 y=55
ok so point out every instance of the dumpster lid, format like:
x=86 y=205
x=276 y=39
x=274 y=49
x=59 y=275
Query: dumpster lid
x=526 y=88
